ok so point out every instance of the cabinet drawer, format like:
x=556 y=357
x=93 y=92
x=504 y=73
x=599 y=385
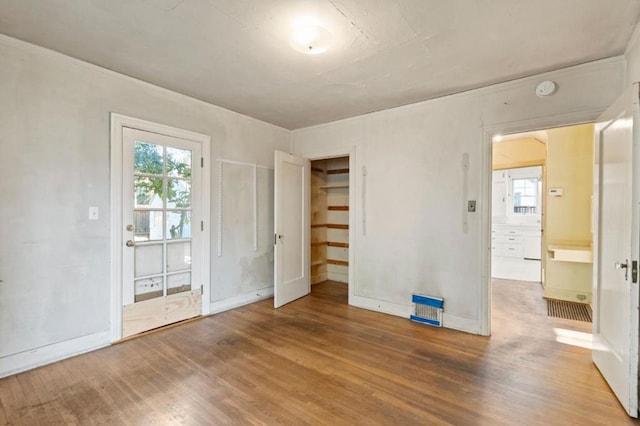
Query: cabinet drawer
x=500 y=231
x=512 y=250
x=508 y=239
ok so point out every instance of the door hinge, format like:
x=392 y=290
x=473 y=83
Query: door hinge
x=201 y=161
x=201 y=288
x=275 y=239
x=202 y=225
x=634 y=271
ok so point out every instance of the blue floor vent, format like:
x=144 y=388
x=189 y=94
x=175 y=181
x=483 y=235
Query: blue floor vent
x=427 y=310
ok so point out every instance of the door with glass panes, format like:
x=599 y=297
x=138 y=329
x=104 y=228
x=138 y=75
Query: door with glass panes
x=162 y=253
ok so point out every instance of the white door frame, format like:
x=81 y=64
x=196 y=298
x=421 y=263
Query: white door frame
x=353 y=207
x=118 y=122
x=484 y=250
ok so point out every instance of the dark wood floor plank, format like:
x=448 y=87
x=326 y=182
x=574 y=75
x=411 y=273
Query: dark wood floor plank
x=319 y=361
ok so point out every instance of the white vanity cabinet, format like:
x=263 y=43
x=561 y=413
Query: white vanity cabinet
x=516 y=252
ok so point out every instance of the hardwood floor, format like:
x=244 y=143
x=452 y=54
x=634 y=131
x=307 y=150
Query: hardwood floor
x=320 y=361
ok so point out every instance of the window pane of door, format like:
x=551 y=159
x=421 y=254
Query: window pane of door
x=148 y=260
x=178 y=256
x=148 y=158
x=148 y=225
x=148 y=192
x=179 y=283
x=148 y=288
x=178 y=224
x=178 y=193
x=178 y=162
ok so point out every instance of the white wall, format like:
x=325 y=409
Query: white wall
x=415 y=238
x=54 y=164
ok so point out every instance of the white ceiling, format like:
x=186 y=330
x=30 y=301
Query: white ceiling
x=236 y=53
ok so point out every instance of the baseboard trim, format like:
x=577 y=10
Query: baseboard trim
x=385 y=307
x=241 y=300
x=459 y=323
x=338 y=277
x=448 y=321
x=32 y=358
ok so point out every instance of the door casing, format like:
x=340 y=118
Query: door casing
x=484 y=208
x=118 y=122
x=353 y=208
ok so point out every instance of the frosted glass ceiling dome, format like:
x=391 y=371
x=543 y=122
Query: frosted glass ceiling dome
x=309 y=36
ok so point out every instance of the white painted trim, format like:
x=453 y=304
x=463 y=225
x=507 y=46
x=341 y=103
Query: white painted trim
x=208 y=223
x=391 y=308
x=546 y=122
x=118 y=122
x=242 y=163
x=116 y=224
x=219 y=241
x=255 y=167
x=484 y=303
x=240 y=300
x=32 y=358
x=255 y=207
x=338 y=276
x=455 y=322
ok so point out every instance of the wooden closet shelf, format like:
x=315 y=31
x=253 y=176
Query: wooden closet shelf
x=334 y=244
x=339 y=208
x=333 y=186
x=330 y=225
x=337 y=262
x=316 y=169
x=337 y=171
x=330 y=244
x=337 y=226
x=317 y=263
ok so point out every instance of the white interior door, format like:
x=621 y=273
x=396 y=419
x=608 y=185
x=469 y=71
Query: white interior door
x=615 y=326
x=162 y=257
x=292 y=245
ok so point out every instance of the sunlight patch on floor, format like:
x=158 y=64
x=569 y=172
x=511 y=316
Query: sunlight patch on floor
x=574 y=338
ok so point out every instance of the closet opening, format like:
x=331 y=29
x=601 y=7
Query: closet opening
x=329 y=212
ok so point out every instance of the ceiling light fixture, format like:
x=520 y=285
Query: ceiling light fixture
x=309 y=36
